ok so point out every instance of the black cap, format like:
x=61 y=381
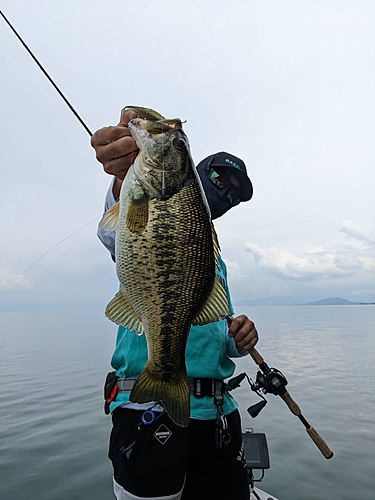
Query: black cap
x=237 y=167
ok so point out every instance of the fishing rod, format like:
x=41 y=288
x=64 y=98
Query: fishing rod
x=49 y=78
x=271 y=380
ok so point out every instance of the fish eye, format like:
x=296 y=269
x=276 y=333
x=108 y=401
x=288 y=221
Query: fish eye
x=179 y=143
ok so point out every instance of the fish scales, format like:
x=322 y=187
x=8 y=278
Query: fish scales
x=174 y=272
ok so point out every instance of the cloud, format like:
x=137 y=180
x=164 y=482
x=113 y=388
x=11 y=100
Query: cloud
x=300 y=266
x=354 y=231
x=342 y=257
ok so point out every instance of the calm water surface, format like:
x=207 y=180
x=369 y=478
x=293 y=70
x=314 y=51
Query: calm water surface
x=54 y=434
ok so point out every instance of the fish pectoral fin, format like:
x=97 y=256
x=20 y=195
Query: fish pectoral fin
x=216 y=307
x=110 y=218
x=120 y=311
x=137 y=216
x=174 y=395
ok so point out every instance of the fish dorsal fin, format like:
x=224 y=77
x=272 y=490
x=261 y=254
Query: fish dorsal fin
x=120 y=311
x=216 y=306
x=110 y=218
x=137 y=216
x=215 y=242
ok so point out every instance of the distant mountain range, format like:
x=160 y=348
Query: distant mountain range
x=337 y=301
x=294 y=301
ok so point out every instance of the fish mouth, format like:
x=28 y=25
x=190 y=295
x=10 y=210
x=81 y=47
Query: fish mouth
x=154 y=165
x=156 y=127
x=157 y=166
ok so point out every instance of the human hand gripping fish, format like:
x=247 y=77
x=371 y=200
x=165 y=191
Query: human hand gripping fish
x=116 y=149
x=166 y=251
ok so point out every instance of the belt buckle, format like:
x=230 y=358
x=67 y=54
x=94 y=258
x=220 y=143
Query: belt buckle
x=197 y=387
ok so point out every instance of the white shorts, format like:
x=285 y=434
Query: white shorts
x=121 y=494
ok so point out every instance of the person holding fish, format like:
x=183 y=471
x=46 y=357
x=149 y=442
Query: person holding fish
x=176 y=428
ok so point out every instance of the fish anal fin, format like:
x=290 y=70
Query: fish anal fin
x=137 y=216
x=174 y=395
x=216 y=306
x=120 y=311
x=110 y=218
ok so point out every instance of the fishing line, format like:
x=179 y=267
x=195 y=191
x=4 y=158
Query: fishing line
x=163 y=189
x=49 y=78
x=55 y=245
x=167 y=90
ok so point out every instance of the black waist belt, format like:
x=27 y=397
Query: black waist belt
x=199 y=387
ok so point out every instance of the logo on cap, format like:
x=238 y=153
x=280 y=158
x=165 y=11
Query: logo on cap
x=233 y=163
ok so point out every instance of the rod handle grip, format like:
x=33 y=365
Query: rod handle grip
x=292 y=405
x=256 y=356
x=320 y=443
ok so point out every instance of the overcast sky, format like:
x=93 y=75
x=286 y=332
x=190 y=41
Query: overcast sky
x=286 y=85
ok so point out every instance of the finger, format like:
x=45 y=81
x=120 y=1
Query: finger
x=117 y=149
x=250 y=344
x=120 y=166
x=237 y=324
x=249 y=340
x=127 y=115
x=247 y=329
x=106 y=135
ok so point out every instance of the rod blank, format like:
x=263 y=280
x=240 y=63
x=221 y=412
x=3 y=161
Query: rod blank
x=49 y=78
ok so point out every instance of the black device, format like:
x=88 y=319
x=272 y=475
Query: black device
x=256 y=455
x=256 y=450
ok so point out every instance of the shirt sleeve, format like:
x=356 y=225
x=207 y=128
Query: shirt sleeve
x=108 y=238
x=225 y=283
x=231 y=347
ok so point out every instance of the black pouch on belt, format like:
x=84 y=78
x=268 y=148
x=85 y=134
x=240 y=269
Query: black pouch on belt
x=110 y=390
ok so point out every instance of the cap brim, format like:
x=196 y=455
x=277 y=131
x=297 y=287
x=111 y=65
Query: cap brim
x=246 y=187
x=246 y=190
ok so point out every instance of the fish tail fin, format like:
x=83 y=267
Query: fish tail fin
x=174 y=395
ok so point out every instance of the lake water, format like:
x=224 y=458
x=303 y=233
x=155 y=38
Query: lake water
x=54 y=434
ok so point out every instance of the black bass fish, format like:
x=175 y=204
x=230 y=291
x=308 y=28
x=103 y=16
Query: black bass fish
x=166 y=251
